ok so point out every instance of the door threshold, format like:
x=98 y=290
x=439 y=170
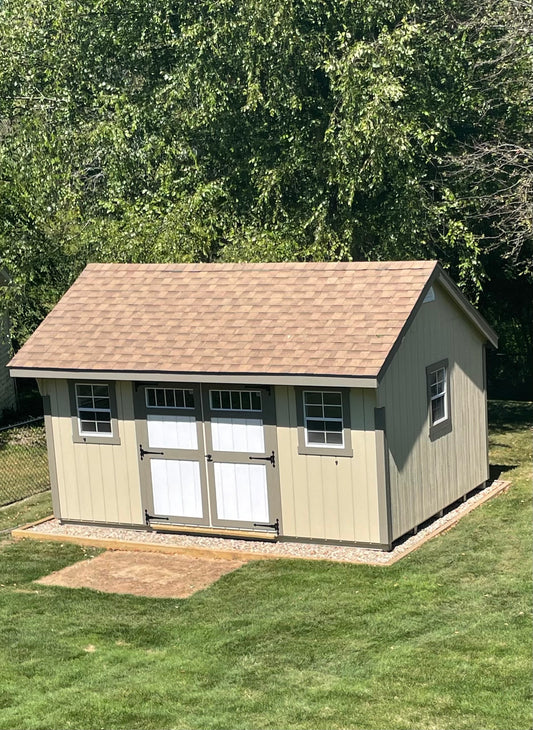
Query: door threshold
x=216 y=532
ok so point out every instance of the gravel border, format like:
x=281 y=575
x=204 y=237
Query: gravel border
x=250 y=550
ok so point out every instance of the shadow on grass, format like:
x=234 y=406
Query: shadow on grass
x=496 y=470
x=505 y=415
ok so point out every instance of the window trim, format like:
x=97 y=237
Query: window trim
x=181 y=409
x=78 y=436
x=323 y=449
x=444 y=425
x=240 y=391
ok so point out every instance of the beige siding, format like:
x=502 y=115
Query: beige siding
x=426 y=476
x=329 y=497
x=7 y=384
x=96 y=482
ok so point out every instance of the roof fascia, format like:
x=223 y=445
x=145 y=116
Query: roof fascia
x=458 y=297
x=329 y=381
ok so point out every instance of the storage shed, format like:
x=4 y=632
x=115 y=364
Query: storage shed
x=341 y=402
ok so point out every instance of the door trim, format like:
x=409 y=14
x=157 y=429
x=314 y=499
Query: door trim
x=141 y=411
x=268 y=416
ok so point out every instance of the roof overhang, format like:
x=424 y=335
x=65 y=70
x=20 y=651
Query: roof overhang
x=459 y=298
x=330 y=381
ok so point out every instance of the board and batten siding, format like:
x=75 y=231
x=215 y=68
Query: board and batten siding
x=425 y=475
x=329 y=497
x=95 y=482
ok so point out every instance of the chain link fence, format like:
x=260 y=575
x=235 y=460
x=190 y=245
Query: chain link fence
x=23 y=461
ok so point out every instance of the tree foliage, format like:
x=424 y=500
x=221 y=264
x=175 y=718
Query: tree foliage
x=257 y=130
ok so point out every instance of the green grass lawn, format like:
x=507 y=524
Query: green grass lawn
x=441 y=639
x=23 y=463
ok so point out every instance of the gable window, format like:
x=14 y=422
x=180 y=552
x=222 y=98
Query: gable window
x=94 y=413
x=323 y=422
x=438 y=390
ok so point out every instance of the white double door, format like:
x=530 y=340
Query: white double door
x=207 y=455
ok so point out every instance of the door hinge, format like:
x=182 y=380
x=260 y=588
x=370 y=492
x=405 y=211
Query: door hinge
x=271 y=458
x=148 y=517
x=273 y=526
x=142 y=452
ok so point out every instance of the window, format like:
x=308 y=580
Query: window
x=323 y=418
x=94 y=409
x=323 y=421
x=94 y=413
x=438 y=391
x=169 y=398
x=235 y=400
x=437 y=386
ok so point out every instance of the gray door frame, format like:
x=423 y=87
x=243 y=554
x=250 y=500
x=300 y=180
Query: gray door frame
x=142 y=410
x=205 y=454
x=268 y=415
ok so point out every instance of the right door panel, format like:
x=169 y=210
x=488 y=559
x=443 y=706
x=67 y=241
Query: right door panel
x=241 y=441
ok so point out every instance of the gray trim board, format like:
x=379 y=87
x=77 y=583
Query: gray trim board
x=383 y=477
x=307 y=379
x=50 y=448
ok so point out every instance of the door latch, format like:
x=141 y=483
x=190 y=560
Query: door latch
x=271 y=458
x=142 y=452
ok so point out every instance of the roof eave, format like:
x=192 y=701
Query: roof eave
x=305 y=379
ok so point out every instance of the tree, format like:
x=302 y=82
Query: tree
x=169 y=130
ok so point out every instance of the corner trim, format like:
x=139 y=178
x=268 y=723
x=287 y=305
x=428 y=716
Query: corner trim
x=383 y=477
x=50 y=448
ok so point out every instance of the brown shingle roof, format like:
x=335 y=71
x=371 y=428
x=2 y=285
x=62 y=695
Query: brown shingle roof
x=289 y=318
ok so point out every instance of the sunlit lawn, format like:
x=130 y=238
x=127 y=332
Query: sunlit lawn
x=442 y=639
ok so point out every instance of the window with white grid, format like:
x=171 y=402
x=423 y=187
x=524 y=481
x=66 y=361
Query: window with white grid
x=438 y=378
x=93 y=405
x=323 y=418
x=438 y=395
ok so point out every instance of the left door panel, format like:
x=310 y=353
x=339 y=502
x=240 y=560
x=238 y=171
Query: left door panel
x=171 y=453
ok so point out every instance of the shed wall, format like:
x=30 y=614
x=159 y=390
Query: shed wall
x=425 y=475
x=95 y=482
x=330 y=497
